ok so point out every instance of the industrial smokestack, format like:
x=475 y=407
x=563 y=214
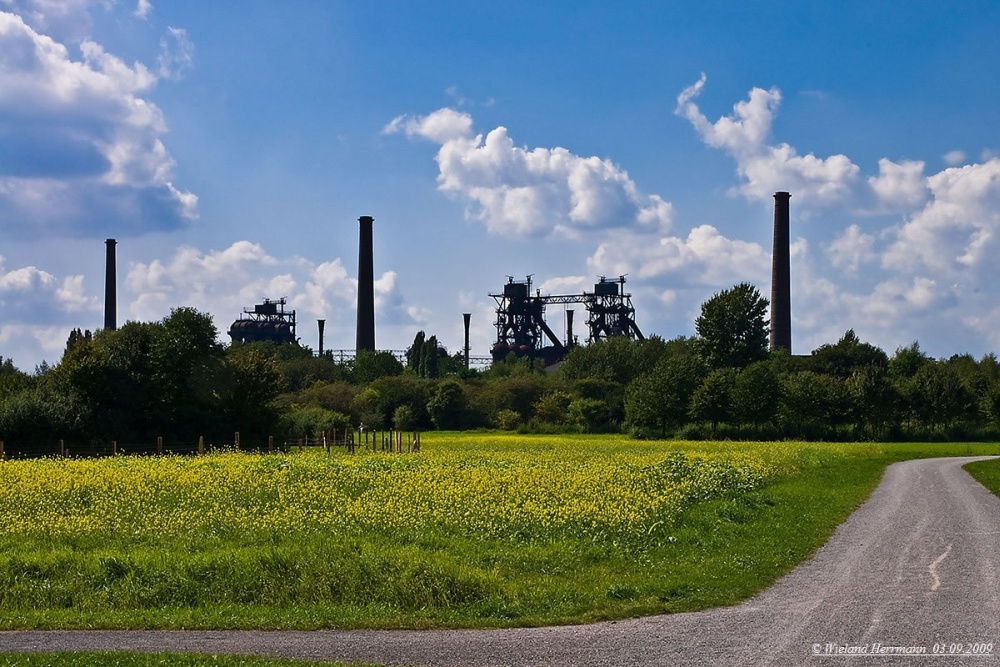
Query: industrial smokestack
x=322 y=325
x=569 y=328
x=110 y=288
x=467 y=317
x=781 y=281
x=366 y=287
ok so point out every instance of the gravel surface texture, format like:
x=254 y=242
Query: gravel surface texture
x=916 y=568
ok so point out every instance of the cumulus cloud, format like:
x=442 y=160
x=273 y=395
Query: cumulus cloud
x=900 y=186
x=29 y=295
x=64 y=20
x=852 y=249
x=143 y=8
x=224 y=282
x=83 y=151
x=765 y=169
x=954 y=158
x=705 y=257
x=958 y=231
x=530 y=193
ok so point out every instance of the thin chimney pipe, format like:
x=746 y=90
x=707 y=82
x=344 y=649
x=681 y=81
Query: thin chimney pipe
x=569 y=328
x=781 y=282
x=322 y=326
x=366 y=287
x=110 y=288
x=467 y=317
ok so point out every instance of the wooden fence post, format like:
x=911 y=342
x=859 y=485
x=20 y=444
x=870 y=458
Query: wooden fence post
x=270 y=444
x=201 y=445
x=62 y=448
x=159 y=445
x=236 y=439
x=3 y=454
x=301 y=448
x=114 y=448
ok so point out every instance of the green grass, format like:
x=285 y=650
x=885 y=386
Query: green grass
x=126 y=659
x=720 y=549
x=986 y=473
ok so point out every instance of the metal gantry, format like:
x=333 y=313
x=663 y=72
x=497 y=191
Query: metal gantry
x=521 y=327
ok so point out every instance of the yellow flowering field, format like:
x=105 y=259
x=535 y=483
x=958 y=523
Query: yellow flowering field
x=487 y=486
x=476 y=529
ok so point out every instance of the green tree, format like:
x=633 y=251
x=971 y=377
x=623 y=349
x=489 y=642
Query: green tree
x=404 y=419
x=245 y=390
x=553 y=407
x=873 y=399
x=414 y=351
x=712 y=400
x=942 y=399
x=732 y=329
x=370 y=366
x=756 y=395
x=34 y=419
x=12 y=380
x=616 y=359
x=589 y=414
x=846 y=356
x=447 y=405
x=661 y=399
x=812 y=405
x=186 y=360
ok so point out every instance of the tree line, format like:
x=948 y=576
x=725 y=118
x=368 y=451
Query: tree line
x=173 y=379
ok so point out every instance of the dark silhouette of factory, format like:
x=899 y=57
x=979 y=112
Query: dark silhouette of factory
x=268 y=321
x=523 y=332
x=521 y=327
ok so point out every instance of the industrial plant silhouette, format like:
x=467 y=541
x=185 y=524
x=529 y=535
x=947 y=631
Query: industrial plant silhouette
x=521 y=326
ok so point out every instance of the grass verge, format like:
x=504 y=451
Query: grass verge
x=986 y=473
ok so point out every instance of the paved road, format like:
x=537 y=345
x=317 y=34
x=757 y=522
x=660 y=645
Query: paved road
x=917 y=564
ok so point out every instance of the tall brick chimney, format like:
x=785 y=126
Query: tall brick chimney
x=366 y=287
x=781 y=281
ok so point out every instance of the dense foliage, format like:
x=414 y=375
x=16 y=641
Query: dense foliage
x=172 y=379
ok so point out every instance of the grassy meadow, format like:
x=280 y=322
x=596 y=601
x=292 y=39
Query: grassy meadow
x=476 y=530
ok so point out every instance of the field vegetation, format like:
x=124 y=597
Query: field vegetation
x=476 y=530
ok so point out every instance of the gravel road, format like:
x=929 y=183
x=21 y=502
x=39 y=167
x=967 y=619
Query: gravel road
x=917 y=565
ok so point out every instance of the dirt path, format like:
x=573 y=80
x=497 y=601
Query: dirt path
x=916 y=565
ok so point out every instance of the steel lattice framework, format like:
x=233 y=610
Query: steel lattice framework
x=521 y=327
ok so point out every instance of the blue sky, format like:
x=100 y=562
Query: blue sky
x=230 y=148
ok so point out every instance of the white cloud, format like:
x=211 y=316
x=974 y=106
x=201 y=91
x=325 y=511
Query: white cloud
x=958 y=230
x=32 y=296
x=143 y=8
x=764 y=168
x=954 y=158
x=83 y=154
x=900 y=186
x=530 y=192
x=566 y=285
x=224 y=282
x=176 y=54
x=851 y=250
x=705 y=257
x=65 y=20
